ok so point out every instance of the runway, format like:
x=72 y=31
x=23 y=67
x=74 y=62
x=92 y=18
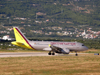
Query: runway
x=25 y=54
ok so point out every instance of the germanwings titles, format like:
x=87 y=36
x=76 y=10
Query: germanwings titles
x=51 y=46
x=61 y=43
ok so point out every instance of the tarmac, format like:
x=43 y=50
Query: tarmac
x=26 y=54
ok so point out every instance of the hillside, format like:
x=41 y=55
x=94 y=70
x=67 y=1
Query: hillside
x=44 y=18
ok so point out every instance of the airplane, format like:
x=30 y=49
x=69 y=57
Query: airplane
x=51 y=46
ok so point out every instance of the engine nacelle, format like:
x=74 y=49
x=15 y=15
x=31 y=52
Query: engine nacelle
x=65 y=51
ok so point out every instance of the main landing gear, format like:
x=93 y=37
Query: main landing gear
x=51 y=53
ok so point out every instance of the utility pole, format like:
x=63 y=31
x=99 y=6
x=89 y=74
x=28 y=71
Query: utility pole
x=36 y=16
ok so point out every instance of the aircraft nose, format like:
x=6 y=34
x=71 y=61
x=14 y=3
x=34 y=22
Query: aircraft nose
x=85 y=48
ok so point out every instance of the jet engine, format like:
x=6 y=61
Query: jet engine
x=65 y=51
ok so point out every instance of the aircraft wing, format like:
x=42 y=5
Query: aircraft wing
x=59 y=49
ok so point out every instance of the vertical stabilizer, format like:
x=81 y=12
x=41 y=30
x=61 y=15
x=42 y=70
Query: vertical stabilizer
x=19 y=35
x=21 y=40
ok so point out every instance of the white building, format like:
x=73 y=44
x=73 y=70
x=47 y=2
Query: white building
x=84 y=33
x=7 y=37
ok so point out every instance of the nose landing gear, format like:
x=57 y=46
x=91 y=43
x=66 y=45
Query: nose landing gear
x=76 y=54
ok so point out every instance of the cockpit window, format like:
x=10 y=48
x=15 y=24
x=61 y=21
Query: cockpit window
x=82 y=45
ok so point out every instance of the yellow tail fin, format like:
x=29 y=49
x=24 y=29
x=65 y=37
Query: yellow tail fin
x=21 y=40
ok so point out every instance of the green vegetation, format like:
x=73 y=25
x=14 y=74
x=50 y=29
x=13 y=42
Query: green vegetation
x=66 y=14
x=92 y=51
x=83 y=12
x=54 y=9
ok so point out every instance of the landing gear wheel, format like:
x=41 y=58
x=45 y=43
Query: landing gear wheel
x=76 y=54
x=49 y=53
x=53 y=53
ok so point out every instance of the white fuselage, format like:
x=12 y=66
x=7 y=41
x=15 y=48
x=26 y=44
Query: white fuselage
x=43 y=45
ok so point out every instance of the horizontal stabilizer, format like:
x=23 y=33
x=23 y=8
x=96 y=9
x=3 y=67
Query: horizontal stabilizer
x=19 y=44
x=15 y=42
